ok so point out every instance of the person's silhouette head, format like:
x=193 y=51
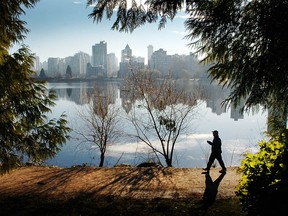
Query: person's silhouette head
x=215 y=133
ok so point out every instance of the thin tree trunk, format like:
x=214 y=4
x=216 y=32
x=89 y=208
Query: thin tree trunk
x=102 y=157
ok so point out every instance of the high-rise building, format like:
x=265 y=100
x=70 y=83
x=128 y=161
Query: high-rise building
x=36 y=64
x=53 y=69
x=112 y=63
x=159 y=61
x=129 y=63
x=150 y=52
x=79 y=64
x=44 y=65
x=126 y=54
x=99 y=55
x=62 y=65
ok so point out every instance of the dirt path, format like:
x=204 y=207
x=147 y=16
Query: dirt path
x=139 y=183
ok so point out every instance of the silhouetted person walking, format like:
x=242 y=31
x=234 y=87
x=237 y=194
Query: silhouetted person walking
x=216 y=152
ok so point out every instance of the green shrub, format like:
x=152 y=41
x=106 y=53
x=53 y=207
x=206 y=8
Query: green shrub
x=263 y=188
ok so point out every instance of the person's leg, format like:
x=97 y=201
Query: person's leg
x=221 y=162
x=210 y=161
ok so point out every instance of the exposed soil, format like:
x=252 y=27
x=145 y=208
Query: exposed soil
x=65 y=183
x=137 y=183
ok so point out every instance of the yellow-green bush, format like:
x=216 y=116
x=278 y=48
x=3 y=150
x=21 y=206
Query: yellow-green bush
x=263 y=188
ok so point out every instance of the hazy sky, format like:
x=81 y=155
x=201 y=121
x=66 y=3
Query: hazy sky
x=61 y=28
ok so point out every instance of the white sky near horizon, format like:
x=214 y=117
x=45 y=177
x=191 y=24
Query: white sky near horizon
x=61 y=28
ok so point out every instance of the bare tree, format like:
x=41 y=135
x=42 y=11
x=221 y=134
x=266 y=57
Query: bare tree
x=160 y=111
x=100 y=119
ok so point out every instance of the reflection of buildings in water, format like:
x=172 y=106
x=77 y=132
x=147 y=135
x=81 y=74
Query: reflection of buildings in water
x=112 y=91
x=236 y=111
x=61 y=93
x=108 y=91
x=69 y=92
x=216 y=105
x=213 y=94
x=72 y=92
x=78 y=92
x=125 y=100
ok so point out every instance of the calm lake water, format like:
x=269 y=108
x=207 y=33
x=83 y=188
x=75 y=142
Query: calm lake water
x=239 y=133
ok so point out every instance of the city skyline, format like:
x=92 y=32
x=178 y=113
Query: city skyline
x=103 y=64
x=62 y=28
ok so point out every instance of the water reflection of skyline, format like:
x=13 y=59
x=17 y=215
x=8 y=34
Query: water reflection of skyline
x=238 y=137
x=211 y=93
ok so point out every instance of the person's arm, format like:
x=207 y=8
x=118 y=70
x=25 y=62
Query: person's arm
x=209 y=142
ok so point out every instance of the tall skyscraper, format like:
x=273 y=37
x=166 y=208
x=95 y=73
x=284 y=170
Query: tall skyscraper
x=78 y=64
x=112 y=65
x=62 y=65
x=150 y=52
x=159 y=60
x=126 y=54
x=99 y=55
x=36 y=64
x=53 y=69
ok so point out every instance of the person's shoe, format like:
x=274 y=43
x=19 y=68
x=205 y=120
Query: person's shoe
x=223 y=171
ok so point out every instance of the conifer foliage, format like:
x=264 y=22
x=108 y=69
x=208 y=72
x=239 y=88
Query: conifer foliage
x=26 y=134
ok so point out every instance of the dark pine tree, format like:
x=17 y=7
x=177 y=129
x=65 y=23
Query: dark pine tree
x=68 y=72
x=42 y=75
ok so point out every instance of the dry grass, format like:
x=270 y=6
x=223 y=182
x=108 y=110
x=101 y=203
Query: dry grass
x=118 y=191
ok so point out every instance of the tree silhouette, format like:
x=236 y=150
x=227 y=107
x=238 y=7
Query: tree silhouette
x=163 y=112
x=68 y=72
x=42 y=75
x=100 y=118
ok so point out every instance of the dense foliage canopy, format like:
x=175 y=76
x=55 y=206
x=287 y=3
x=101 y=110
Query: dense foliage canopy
x=25 y=132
